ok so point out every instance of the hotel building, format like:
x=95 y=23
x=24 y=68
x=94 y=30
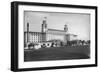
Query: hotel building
x=47 y=34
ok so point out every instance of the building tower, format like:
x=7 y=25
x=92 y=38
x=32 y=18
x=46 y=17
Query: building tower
x=27 y=32
x=66 y=29
x=44 y=29
x=66 y=32
x=44 y=25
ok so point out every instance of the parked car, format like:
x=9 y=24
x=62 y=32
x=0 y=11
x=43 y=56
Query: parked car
x=37 y=46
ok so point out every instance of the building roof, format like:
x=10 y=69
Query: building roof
x=71 y=34
x=56 y=30
x=32 y=32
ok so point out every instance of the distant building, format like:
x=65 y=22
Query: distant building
x=71 y=37
x=47 y=34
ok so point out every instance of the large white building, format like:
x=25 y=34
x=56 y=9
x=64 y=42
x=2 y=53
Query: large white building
x=47 y=34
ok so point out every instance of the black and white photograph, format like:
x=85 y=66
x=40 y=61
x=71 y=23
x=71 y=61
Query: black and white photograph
x=56 y=36
x=53 y=36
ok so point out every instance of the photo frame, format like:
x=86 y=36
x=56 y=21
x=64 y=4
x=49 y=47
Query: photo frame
x=36 y=47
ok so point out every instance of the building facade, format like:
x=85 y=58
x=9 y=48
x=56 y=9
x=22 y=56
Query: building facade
x=47 y=34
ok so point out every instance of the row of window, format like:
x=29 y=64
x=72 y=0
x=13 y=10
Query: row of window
x=50 y=37
x=38 y=38
x=56 y=33
x=35 y=40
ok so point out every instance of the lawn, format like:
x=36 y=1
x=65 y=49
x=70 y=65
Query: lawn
x=57 y=53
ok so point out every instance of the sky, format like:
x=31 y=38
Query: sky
x=78 y=24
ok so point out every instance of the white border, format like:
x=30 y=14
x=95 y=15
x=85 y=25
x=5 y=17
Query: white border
x=22 y=64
